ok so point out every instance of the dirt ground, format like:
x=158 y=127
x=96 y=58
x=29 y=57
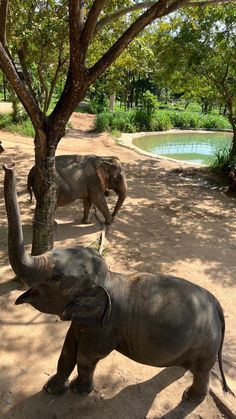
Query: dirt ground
x=175 y=220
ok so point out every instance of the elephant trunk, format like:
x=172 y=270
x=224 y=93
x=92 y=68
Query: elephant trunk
x=25 y=266
x=121 y=192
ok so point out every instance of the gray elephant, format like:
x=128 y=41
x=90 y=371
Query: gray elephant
x=155 y=320
x=87 y=177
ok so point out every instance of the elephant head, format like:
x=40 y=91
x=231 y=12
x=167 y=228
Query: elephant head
x=55 y=278
x=112 y=176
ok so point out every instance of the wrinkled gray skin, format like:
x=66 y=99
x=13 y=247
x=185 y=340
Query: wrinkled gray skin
x=153 y=319
x=86 y=177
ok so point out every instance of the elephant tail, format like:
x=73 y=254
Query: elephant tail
x=225 y=386
x=30 y=181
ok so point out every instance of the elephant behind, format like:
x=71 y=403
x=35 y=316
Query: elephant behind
x=87 y=177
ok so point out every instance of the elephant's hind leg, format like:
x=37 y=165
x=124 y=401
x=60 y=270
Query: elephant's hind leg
x=58 y=383
x=200 y=369
x=199 y=388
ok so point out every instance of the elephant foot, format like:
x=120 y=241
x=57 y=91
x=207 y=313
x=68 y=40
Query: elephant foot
x=193 y=396
x=81 y=387
x=86 y=221
x=56 y=386
x=109 y=221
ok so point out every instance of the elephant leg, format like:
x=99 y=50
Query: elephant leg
x=199 y=389
x=100 y=202
x=58 y=384
x=83 y=384
x=87 y=207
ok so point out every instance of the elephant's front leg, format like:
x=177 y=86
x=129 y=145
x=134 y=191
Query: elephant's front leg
x=83 y=384
x=100 y=202
x=87 y=207
x=58 y=384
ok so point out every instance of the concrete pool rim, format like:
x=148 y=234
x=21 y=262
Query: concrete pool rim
x=126 y=140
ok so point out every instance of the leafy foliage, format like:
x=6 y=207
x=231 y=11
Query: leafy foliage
x=161 y=120
x=24 y=127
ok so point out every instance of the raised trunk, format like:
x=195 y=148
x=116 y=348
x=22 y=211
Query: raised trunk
x=24 y=265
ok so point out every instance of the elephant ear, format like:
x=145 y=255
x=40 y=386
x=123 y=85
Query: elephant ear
x=103 y=175
x=91 y=307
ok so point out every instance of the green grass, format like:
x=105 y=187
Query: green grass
x=221 y=158
x=136 y=121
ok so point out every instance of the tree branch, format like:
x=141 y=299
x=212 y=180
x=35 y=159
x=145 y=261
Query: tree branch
x=3 y=22
x=116 y=16
x=159 y=9
x=113 y=17
x=75 y=27
x=60 y=64
x=208 y=3
x=22 y=92
x=91 y=22
x=25 y=72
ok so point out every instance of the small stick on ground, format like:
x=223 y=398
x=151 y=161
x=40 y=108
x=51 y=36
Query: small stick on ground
x=102 y=239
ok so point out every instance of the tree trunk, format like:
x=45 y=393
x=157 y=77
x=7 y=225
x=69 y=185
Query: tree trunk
x=112 y=101
x=43 y=224
x=233 y=148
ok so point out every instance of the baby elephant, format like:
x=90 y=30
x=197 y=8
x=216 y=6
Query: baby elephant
x=153 y=319
x=87 y=177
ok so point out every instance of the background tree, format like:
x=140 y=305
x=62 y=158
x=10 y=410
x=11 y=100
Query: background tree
x=86 y=21
x=204 y=40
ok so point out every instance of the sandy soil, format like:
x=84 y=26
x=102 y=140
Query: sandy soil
x=176 y=220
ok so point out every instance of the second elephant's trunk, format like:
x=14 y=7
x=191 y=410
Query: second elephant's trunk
x=122 y=193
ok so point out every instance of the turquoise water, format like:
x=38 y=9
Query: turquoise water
x=191 y=147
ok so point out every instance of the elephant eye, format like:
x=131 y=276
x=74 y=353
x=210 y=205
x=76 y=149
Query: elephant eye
x=57 y=278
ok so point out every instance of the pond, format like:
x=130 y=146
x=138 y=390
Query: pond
x=194 y=147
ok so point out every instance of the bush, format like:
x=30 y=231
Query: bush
x=5 y=120
x=214 y=122
x=102 y=122
x=221 y=159
x=185 y=119
x=24 y=128
x=140 y=120
x=160 y=120
x=120 y=121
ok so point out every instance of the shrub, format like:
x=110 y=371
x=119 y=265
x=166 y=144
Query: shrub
x=102 y=122
x=140 y=120
x=143 y=116
x=214 y=122
x=5 y=120
x=221 y=159
x=25 y=127
x=185 y=119
x=161 y=122
x=121 y=121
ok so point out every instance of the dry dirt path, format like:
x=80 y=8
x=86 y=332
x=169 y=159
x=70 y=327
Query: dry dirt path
x=174 y=221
